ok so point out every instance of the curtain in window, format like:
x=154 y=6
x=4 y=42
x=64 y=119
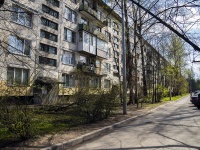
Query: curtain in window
x=73 y=17
x=67 y=13
x=69 y=36
x=68 y=58
x=86 y=38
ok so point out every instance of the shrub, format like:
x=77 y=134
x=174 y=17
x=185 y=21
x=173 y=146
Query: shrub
x=95 y=104
x=17 y=119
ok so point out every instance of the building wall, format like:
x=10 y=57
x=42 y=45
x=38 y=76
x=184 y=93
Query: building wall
x=50 y=67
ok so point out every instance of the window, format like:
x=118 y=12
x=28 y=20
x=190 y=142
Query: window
x=49 y=23
x=17 y=76
x=68 y=80
x=83 y=59
x=70 y=15
x=116 y=53
x=116 y=39
x=80 y=36
x=116 y=60
x=84 y=21
x=47 y=61
x=99 y=15
x=115 y=25
x=86 y=3
x=116 y=45
x=106 y=83
x=98 y=29
x=115 y=32
x=109 y=22
x=116 y=74
x=48 y=48
x=108 y=53
x=95 y=82
x=108 y=36
x=21 y=16
x=86 y=38
x=19 y=46
x=50 y=11
x=115 y=67
x=106 y=67
x=69 y=35
x=53 y=2
x=98 y=63
x=74 y=1
x=48 y=35
x=69 y=58
x=102 y=45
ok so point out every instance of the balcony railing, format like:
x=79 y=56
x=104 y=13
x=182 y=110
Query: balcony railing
x=92 y=14
x=89 y=68
x=89 y=10
x=85 y=27
x=101 y=35
x=101 y=54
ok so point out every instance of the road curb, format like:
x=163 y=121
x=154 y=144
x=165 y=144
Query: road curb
x=93 y=134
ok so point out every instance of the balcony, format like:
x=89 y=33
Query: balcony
x=87 y=68
x=102 y=54
x=91 y=30
x=85 y=28
x=101 y=36
x=92 y=15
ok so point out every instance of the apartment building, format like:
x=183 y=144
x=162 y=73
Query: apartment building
x=46 y=43
x=50 y=48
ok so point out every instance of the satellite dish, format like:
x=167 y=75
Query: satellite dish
x=1 y=2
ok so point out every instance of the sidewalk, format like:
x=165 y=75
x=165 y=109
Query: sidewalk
x=65 y=140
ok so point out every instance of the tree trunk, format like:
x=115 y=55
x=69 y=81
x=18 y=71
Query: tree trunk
x=129 y=57
x=142 y=54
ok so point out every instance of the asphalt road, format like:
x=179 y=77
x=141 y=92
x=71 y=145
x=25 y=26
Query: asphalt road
x=175 y=126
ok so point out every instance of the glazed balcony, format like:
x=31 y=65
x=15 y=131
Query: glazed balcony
x=87 y=43
x=90 y=29
x=101 y=54
x=101 y=36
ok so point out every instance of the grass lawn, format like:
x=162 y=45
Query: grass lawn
x=51 y=121
x=43 y=123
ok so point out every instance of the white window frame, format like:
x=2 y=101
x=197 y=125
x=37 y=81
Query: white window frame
x=13 y=82
x=68 y=81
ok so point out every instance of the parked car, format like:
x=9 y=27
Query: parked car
x=194 y=97
x=197 y=102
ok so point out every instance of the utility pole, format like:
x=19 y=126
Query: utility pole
x=124 y=62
